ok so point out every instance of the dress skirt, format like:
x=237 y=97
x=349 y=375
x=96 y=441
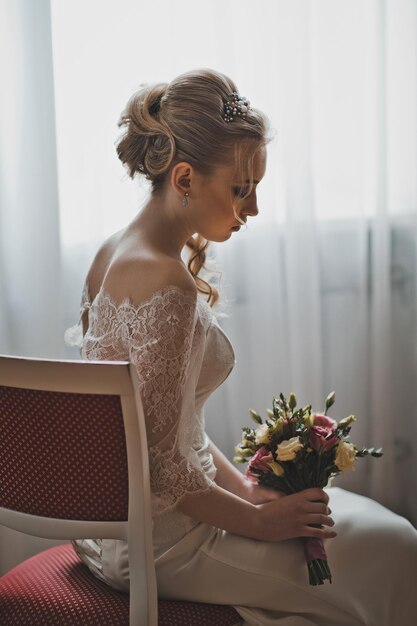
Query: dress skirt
x=373 y=561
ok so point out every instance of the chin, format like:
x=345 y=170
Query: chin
x=225 y=237
x=219 y=238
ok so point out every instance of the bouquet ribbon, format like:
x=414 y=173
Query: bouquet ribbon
x=316 y=558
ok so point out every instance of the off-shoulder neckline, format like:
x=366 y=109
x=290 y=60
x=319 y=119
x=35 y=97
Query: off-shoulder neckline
x=127 y=301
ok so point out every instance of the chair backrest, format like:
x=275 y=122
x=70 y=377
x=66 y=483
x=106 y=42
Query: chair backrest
x=74 y=460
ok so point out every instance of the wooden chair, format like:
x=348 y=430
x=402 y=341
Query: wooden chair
x=74 y=465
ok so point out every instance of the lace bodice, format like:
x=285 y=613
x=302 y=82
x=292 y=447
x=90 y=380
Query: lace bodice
x=181 y=355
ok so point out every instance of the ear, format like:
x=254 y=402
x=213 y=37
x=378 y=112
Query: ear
x=182 y=176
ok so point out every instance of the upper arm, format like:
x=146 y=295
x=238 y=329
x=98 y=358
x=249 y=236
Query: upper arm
x=161 y=340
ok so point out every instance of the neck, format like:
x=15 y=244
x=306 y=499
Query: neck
x=164 y=226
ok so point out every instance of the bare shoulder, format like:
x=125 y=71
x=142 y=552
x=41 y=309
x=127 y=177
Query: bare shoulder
x=101 y=262
x=139 y=276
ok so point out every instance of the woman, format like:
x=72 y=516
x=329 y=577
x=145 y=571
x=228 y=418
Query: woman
x=217 y=536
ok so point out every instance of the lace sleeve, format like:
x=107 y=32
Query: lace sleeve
x=74 y=335
x=166 y=343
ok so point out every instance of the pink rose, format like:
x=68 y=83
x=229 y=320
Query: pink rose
x=260 y=461
x=322 y=436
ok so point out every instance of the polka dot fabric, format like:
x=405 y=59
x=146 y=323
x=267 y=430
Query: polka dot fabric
x=193 y=614
x=54 y=588
x=70 y=461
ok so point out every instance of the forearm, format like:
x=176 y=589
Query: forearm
x=220 y=508
x=303 y=514
x=228 y=504
x=227 y=476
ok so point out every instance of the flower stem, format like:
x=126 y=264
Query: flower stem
x=318 y=572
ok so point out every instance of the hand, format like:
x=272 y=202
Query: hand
x=297 y=515
x=255 y=494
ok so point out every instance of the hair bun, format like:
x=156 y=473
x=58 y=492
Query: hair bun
x=147 y=146
x=155 y=104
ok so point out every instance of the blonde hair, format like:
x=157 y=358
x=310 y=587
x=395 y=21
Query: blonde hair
x=166 y=123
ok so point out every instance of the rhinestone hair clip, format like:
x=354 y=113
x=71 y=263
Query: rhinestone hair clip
x=235 y=106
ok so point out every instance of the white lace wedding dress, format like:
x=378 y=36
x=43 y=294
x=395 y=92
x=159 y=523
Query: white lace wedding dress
x=181 y=356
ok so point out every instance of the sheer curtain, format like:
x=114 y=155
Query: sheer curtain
x=30 y=269
x=321 y=287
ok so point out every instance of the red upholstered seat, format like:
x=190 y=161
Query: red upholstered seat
x=55 y=588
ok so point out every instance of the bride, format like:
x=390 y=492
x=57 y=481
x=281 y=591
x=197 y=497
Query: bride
x=218 y=538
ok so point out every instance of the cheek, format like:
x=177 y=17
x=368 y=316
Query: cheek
x=218 y=207
x=226 y=208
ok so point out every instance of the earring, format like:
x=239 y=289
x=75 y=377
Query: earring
x=185 y=200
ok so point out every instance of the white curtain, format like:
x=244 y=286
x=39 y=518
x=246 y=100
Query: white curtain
x=30 y=269
x=322 y=286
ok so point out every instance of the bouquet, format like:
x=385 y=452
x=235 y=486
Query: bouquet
x=295 y=450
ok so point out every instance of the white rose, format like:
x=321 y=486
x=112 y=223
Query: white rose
x=345 y=456
x=287 y=450
x=262 y=434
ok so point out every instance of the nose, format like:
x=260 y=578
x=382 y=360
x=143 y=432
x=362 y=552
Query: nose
x=252 y=210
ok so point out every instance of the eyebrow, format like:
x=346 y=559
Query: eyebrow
x=255 y=181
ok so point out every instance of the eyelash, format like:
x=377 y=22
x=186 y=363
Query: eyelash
x=238 y=191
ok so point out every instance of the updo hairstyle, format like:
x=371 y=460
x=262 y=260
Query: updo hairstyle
x=166 y=123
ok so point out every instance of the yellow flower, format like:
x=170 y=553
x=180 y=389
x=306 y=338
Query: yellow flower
x=247 y=442
x=246 y=452
x=287 y=450
x=346 y=421
x=345 y=456
x=278 y=426
x=262 y=434
x=309 y=420
x=276 y=468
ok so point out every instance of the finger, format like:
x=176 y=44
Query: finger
x=317 y=507
x=316 y=494
x=315 y=518
x=319 y=533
